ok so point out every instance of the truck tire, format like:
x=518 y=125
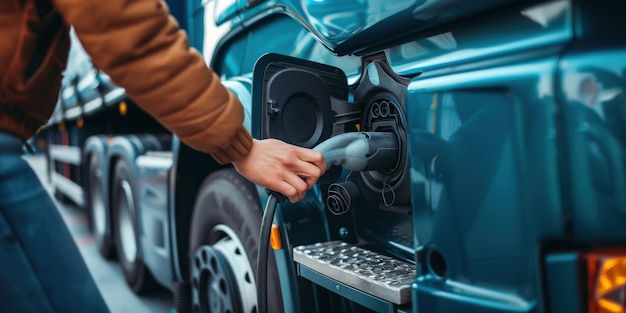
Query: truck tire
x=126 y=232
x=99 y=219
x=224 y=242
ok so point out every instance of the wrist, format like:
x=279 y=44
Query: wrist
x=239 y=147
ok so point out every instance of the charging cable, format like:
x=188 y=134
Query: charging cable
x=264 y=244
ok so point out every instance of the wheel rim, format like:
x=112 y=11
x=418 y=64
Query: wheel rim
x=223 y=279
x=126 y=225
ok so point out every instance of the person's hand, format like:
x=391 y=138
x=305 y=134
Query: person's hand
x=282 y=167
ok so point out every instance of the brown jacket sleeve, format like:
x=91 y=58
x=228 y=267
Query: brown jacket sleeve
x=142 y=49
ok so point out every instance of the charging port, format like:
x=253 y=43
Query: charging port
x=390 y=187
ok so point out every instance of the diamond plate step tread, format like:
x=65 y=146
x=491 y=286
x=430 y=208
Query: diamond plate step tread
x=373 y=273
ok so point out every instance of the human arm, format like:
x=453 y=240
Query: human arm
x=142 y=49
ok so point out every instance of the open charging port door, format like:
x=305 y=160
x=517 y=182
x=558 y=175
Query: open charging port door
x=300 y=102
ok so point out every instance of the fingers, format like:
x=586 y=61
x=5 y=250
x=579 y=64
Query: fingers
x=308 y=172
x=294 y=190
x=310 y=182
x=303 y=172
x=300 y=188
x=286 y=190
x=314 y=157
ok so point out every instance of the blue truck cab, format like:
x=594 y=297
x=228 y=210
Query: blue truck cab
x=507 y=193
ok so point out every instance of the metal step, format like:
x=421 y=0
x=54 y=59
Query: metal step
x=378 y=275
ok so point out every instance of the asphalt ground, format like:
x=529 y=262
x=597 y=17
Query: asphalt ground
x=107 y=274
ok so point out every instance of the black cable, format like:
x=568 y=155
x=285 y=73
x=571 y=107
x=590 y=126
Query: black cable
x=264 y=243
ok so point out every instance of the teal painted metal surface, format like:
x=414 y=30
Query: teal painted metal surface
x=484 y=153
x=484 y=185
x=591 y=90
x=472 y=41
x=194 y=22
x=594 y=105
x=347 y=26
x=226 y=10
x=562 y=286
x=177 y=9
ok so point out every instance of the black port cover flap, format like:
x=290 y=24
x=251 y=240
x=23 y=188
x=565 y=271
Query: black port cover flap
x=293 y=98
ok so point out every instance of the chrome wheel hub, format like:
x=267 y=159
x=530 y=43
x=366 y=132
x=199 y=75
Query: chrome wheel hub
x=223 y=280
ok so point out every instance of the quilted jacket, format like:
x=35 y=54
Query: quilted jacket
x=139 y=45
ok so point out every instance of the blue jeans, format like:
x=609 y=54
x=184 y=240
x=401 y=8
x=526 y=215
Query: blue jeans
x=41 y=269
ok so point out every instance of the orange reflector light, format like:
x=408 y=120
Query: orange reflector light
x=80 y=122
x=606 y=274
x=123 y=108
x=275 y=238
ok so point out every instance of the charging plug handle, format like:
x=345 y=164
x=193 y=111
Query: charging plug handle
x=361 y=151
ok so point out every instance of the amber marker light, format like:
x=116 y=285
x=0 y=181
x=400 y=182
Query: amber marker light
x=123 y=108
x=606 y=281
x=275 y=238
